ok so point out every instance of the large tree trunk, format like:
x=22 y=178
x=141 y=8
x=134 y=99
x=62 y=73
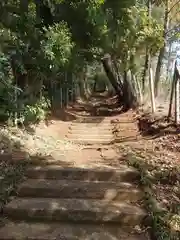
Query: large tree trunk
x=145 y=70
x=24 y=6
x=129 y=92
x=148 y=56
x=168 y=65
x=82 y=86
x=124 y=90
x=108 y=68
x=162 y=50
x=158 y=70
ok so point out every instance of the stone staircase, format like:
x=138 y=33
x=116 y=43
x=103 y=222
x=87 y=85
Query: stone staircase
x=71 y=203
x=91 y=131
x=75 y=204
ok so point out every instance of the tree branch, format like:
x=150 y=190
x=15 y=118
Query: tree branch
x=174 y=28
x=173 y=6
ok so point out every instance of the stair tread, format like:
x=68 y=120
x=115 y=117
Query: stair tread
x=98 y=137
x=124 y=172
x=34 y=183
x=44 y=231
x=90 y=141
x=90 y=137
x=114 y=170
x=85 y=210
x=91 y=124
x=80 y=189
x=74 y=204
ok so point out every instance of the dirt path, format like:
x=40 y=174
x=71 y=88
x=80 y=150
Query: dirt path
x=86 y=194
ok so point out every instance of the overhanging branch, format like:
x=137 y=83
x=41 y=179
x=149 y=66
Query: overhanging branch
x=173 y=6
x=174 y=28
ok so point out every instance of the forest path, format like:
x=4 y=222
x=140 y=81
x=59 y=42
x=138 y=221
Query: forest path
x=92 y=196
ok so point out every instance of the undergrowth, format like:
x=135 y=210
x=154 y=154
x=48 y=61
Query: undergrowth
x=12 y=168
x=11 y=175
x=161 y=219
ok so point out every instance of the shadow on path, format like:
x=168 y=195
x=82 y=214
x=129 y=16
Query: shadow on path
x=96 y=106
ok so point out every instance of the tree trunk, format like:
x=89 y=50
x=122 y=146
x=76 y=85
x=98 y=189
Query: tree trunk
x=94 y=86
x=24 y=6
x=139 y=90
x=146 y=66
x=117 y=85
x=129 y=93
x=176 y=77
x=82 y=85
x=172 y=96
x=125 y=92
x=117 y=73
x=148 y=56
x=151 y=85
x=162 y=50
x=158 y=70
x=168 y=65
x=177 y=101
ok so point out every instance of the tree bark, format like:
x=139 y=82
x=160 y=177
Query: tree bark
x=124 y=90
x=176 y=77
x=162 y=50
x=82 y=85
x=168 y=65
x=172 y=96
x=158 y=70
x=129 y=93
x=108 y=68
x=146 y=66
x=151 y=84
x=148 y=56
x=177 y=101
x=24 y=6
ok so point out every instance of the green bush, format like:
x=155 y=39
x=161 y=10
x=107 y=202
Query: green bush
x=7 y=90
x=37 y=112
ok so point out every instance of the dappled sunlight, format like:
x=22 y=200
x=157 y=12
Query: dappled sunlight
x=100 y=173
x=80 y=184
x=93 y=110
x=103 y=190
x=63 y=231
x=157 y=159
x=78 y=160
x=85 y=210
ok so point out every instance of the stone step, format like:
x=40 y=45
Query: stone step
x=122 y=174
x=77 y=189
x=47 y=231
x=90 y=130
x=89 y=133
x=90 y=141
x=75 y=210
x=90 y=136
x=94 y=120
x=92 y=125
